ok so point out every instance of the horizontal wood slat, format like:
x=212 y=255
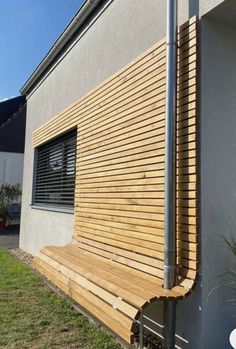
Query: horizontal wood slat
x=114 y=262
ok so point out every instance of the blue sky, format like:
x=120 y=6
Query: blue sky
x=28 y=29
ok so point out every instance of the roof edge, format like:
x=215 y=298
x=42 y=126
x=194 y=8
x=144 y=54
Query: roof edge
x=79 y=19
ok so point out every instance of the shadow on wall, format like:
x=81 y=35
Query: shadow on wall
x=193 y=8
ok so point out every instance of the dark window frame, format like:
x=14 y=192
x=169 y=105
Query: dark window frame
x=54 y=173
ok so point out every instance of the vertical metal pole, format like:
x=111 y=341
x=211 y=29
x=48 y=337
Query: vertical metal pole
x=4 y=171
x=141 y=330
x=170 y=186
x=169 y=321
x=170 y=174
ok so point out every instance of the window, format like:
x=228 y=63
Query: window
x=54 y=182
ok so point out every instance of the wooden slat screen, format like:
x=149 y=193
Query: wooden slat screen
x=119 y=194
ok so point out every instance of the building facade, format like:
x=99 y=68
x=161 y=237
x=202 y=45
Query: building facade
x=114 y=34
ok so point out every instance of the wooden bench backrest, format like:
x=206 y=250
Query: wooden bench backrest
x=119 y=194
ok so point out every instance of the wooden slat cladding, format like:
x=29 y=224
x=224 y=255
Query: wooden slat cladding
x=119 y=194
x=187 y=155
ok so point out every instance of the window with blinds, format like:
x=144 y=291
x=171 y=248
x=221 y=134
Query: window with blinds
x=54 y=182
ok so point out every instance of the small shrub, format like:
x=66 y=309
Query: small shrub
x=8 y=194
x=230 y=275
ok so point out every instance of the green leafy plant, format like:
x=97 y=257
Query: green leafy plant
x=230 y=274
x=9 y=193
x=231 y=244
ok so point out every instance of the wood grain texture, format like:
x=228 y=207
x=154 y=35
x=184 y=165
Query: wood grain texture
x=113 y=266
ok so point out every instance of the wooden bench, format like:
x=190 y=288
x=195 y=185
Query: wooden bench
x=110 y=290
x=113 y=266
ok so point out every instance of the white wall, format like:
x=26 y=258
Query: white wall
x=11 y=168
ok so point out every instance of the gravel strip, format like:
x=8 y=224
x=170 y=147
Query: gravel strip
x=23 y=256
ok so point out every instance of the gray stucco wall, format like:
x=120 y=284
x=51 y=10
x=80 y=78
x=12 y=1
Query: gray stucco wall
x=218 y=176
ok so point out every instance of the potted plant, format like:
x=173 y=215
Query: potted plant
x=8 y=194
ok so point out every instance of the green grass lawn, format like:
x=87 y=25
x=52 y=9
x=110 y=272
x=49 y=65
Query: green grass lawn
x=33 y=316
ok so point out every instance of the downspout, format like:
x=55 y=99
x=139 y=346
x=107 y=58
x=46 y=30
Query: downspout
x=170 y=172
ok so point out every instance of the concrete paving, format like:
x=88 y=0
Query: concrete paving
x=9 y=237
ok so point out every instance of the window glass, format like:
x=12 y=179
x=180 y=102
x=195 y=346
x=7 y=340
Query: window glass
x=54 y=181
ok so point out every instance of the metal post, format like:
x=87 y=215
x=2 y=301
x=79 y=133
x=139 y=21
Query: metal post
x=169 y=321
x=141 y=330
